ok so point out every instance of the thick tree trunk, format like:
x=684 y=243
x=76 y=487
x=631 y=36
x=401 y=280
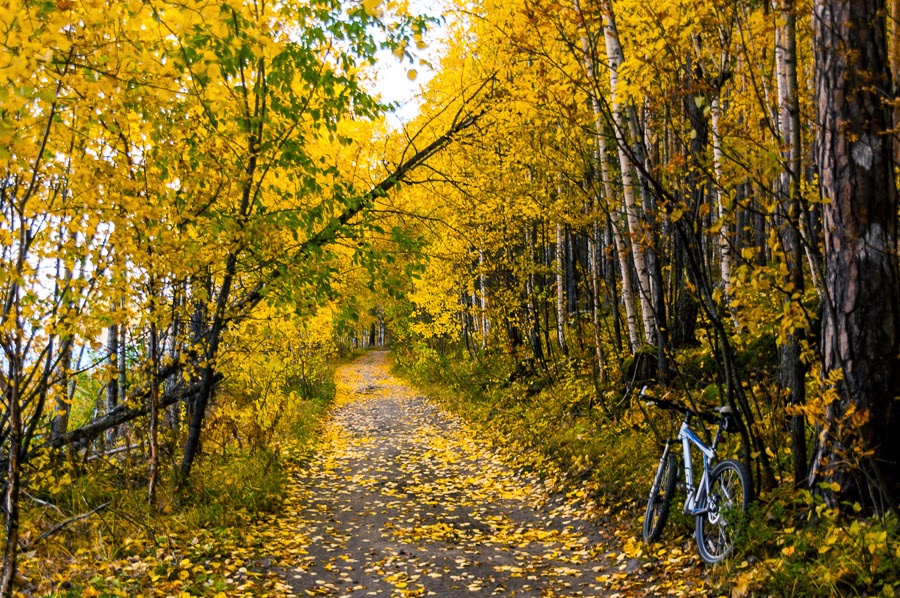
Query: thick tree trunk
x=621 y=251
x=861 y=328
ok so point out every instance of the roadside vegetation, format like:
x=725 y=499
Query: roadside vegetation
x=551 y=423
x=90 y=531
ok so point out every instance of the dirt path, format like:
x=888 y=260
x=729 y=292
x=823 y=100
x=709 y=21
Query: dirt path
x=403 y=500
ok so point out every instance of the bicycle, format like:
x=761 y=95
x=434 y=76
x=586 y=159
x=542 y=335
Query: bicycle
x=720 y=496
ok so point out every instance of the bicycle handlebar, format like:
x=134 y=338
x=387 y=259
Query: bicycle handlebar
x=664 y=404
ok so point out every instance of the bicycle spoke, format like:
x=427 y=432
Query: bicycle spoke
x=716 y=528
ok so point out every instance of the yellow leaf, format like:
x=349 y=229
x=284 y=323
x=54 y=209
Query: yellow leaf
x=412 y=74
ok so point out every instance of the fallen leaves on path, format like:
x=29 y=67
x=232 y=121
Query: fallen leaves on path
x=401 y=499
x=404 y=499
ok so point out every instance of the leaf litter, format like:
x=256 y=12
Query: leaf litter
x=400 y=499
x=403 y=499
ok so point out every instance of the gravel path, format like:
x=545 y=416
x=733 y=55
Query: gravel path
x=404 y=500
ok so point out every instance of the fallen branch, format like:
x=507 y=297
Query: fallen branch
x=122 y=414
x=66 y=523
x=120 y=449
x=43 y=503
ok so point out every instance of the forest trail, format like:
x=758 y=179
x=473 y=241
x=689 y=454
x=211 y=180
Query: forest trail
x=403 y=499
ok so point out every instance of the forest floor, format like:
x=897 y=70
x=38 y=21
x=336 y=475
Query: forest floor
x=404 y=499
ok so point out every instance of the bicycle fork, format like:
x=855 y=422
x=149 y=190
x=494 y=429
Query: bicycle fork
x=657 y=479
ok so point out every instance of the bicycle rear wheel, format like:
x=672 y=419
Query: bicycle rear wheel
x=660 y=498
x=728 y=500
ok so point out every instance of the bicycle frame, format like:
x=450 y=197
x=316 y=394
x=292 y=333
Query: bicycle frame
x=687 y=437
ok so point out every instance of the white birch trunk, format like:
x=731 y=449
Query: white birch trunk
x=632 y=209
x=482 y=286
x=621 y=252
x=724 y=247
x=560 y=289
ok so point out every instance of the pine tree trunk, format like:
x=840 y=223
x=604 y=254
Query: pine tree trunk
x=861 y=328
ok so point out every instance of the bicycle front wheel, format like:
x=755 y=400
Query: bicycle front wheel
x=728 y=500
x=660 y=498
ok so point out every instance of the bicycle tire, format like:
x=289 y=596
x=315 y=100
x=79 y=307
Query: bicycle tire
x=729 y=499
x=660 y=499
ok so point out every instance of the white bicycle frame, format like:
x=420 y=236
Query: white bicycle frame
x=688 y=437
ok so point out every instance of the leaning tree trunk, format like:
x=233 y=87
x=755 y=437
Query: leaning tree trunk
x=602 y=160
x=621 y=251
x=861 y=328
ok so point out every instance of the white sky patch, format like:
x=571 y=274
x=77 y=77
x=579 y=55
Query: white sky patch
x=390 y=76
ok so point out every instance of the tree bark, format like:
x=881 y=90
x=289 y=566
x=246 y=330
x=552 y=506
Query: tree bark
x=792 y=370
x=861 y=328
x=895 y=73
x=482 y=289
x=561 y=289
x=632 y=208
x=596 y=315
x=112 y=382
x=13 y=468
x=723 y=208
x=154 y=411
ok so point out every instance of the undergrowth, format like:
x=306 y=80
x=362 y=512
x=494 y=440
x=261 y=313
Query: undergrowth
x=186 y=543
x=552 y=422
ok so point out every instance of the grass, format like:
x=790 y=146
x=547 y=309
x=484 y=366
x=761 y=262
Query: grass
x=793 y=544
x=239 y=478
